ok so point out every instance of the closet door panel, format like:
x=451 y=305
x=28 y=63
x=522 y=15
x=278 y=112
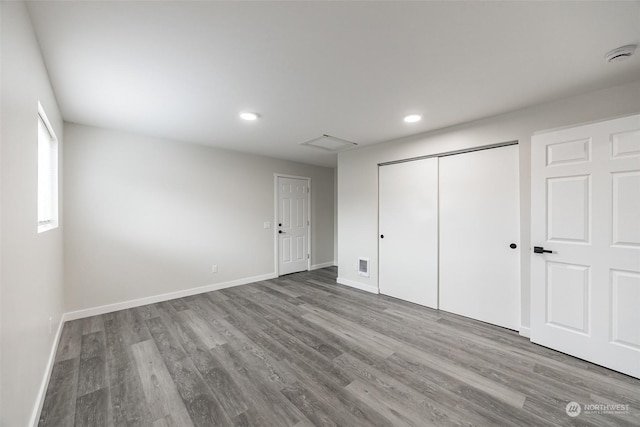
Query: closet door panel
x=408 y=231
x=479 y=224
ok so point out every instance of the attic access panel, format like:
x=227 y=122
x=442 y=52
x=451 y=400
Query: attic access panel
x=329 y=143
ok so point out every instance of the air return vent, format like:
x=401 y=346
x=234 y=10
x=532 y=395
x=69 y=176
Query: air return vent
x=363 y=267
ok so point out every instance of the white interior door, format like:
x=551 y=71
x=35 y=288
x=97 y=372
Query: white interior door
x=479 y=221
x=293 y=225
x=585 y=210
x=408 y=226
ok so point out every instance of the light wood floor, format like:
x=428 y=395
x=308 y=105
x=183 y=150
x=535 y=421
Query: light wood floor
x=301 y=350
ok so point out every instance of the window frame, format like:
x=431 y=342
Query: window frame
x=47 y=164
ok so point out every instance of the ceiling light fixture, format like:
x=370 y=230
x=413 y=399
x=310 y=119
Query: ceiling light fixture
x=249 y=116
x=412 y=118
x=620 y=53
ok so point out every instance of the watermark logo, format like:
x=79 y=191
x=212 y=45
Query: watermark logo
x=573 y=409
x=606 y=408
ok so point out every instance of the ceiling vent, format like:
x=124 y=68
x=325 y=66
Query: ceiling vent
x=621 y=53
x=329 y=143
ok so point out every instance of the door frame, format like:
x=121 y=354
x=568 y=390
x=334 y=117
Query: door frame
x=276 y=241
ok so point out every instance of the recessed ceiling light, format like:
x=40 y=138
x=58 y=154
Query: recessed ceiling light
x=412 y=118
x=249 y=116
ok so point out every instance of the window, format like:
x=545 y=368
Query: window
x=47 y=174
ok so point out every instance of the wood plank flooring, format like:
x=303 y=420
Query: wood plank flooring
x=301 y=350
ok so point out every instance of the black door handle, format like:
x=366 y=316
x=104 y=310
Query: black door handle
x=541 y=250
x=513 y=246
x=382 y=236
x=280 y=232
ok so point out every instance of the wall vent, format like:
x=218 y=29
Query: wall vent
x=363 y=267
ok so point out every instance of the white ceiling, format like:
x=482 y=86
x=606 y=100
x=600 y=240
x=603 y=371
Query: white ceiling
x=184 y=70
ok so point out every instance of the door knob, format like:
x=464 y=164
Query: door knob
x=280 y=232
x=541 y=250
x=382 y=236
x=513 y=246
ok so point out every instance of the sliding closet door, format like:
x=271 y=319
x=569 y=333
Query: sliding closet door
x=408 y=226
x=479 y=231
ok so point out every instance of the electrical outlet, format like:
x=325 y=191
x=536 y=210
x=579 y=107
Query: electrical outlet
x=214 y=268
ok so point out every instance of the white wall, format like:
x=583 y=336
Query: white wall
x=146 y=216
x=32 y=264
x=358 y=171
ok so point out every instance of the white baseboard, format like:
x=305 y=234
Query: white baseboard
x=322 y=265
x=525 y=332
x=362 y=286
x=94 y=311
x=37 y=409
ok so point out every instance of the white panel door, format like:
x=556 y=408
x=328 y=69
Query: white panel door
x=408 y=226
x=585 y=216
x=479 y=222
x=293 y=225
